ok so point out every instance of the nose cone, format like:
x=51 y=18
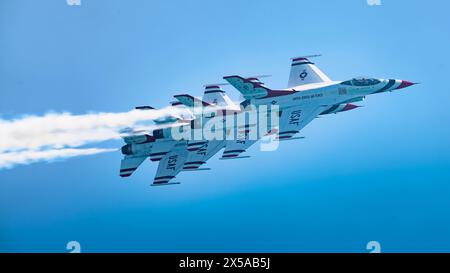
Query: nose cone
x=405 y=84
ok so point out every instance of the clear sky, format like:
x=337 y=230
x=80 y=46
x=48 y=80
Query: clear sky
x=381 y=172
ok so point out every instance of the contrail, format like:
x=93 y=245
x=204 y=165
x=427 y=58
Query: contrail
x=57 y=135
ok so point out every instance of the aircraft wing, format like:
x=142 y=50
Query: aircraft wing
x=294 y=119
x=129 y=164
x=233 y=148
x=171 y=164
x=200 y=152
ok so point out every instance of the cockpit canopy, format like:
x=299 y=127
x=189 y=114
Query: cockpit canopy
x=361 y=81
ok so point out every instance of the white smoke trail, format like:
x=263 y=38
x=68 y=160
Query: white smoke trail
x=54 y=135
x=9 y=160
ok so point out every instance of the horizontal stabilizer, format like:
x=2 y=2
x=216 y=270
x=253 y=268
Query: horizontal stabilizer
x=129 y=164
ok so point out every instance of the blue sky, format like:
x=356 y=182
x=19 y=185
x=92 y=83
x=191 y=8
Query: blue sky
x=380 y=172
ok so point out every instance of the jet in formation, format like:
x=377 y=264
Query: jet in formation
x=309 y=94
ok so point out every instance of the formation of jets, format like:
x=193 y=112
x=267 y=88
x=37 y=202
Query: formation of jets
x=310 y=93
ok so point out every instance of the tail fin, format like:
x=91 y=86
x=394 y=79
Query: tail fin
x=248 y=87
x=215 y=95
x=303 y=71
x=177 y=104
x=190 y=101
x=252 y=88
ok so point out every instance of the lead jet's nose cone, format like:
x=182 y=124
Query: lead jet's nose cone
x=405 y=84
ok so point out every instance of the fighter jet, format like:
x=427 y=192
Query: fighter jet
x=178 y=155
x=309 y=94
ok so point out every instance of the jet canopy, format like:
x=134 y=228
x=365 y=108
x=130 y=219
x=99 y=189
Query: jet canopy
x=361 y=81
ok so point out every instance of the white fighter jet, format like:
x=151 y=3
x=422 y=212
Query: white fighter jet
x=310 y=93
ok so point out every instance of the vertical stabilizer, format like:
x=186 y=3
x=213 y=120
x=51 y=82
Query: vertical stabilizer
x=303 y=71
